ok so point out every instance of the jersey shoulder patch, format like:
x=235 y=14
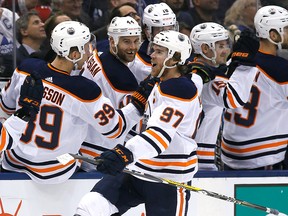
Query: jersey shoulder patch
x=78 y=86
x=274 y=66
x=182 y=88
x=118 y=74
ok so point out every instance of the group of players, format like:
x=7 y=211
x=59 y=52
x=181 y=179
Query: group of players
x=142 y=104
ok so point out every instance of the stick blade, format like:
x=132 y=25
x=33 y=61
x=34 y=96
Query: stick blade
x=65 y=158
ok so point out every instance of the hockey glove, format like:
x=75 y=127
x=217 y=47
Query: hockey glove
x=245 y=49
x=114 y=161
x=140 y=96
x=202 y=70
x=31 y=94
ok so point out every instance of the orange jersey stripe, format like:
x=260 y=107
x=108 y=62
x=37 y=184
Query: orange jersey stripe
x=181 y=202
x=88 y=152
x=3 y=138
x=230 y=98
x=156 y=136
x=205 y=153
x=179 y=164
x=41 y=170
x=251 y=149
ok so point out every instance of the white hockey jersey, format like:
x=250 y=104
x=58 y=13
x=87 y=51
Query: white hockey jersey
x=216 y=95
x=256 y=135
x=117 y=82
x=167 y=148
x=70 y=104
x=11 y=132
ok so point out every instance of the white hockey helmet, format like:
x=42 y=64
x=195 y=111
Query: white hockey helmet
x=69 y=34
x=270 y=17
x=158 y=15
x=207 y=33
x=123 y=26
x=175 y=42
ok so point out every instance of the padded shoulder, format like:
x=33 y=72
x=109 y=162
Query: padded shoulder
x=118 y=74
x=274 y=66
x=182 y=88
x=78 y=86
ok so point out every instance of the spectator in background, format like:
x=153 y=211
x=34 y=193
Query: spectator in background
x=44 y=9
x=30 y=33
x=241 y=14
x=22 y=7
x=46 y=51
x=283 y=4
x=100 y=11
x=204 y=11
x=123 y=10
x=73 y=9
x=225 y=5
x=6 y=45
x=182 y=16
x=184 y=28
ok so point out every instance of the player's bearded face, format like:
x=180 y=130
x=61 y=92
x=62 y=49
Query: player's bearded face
x=127 y=48
x=157 y=59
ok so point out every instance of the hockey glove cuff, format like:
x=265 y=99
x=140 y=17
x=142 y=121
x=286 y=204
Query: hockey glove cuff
x=115 y=160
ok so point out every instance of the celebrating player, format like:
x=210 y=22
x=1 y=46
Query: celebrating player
x=69 y=105
x=255 y=136
x=165 y=149
x=211 y=45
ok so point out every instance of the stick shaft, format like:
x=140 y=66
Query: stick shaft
x=185 y=186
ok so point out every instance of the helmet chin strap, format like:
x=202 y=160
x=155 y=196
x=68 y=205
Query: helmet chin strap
x=213 y=59
x=164 y=67
x=279 y=44
x=74 y=61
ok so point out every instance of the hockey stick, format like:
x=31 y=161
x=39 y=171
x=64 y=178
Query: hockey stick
x=64 y=159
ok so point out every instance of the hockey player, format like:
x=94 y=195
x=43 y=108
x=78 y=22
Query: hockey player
x=69 y=105
x=156 y=18
x=165 y=149
x=211 y=47
x=255 y=136
x=31 y=93
x=111 y=72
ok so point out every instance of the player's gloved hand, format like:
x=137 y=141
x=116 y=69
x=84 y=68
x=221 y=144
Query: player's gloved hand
x=245 y=49
x=140 y=96
x=31 y=94
x=202 y=70
x=114 y=161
